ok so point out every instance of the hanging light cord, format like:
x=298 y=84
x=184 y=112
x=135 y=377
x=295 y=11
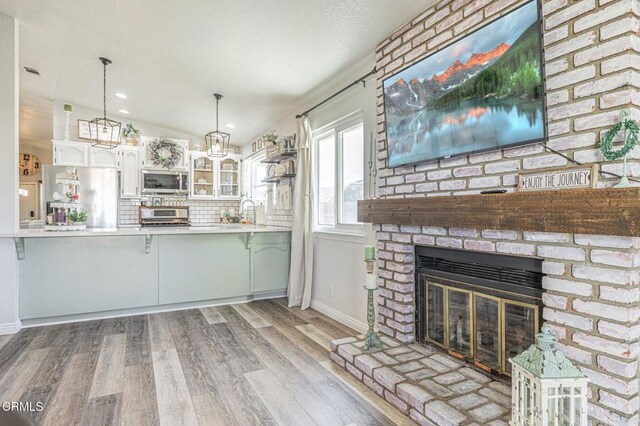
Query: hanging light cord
x=104 y=90
x=217 y=102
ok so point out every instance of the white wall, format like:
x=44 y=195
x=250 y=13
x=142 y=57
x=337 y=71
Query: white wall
x=8 y=172
x=338 y=259
x=83 y=113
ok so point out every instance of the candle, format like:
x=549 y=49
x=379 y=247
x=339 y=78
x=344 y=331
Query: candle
x=372 y=281
x=369 y=253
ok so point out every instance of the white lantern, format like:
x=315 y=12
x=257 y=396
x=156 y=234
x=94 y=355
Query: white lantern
x=547 y=389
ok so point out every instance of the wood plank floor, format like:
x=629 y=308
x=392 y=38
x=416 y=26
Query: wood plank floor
x=260 y=363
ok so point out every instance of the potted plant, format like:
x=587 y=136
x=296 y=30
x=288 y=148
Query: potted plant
x=77 y=216
x=130 y=134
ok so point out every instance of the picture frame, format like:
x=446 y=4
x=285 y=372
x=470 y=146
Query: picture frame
x=83 y=130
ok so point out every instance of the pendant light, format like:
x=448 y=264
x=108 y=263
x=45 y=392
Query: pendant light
x=217 y=142
x=104 y=132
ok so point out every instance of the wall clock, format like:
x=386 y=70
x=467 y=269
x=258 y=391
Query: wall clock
x=29 y=165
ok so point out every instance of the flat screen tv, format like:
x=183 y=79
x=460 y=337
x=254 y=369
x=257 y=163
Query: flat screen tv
x=482 y=92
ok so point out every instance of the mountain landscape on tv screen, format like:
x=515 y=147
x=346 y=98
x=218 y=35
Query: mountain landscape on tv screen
x=480 y=100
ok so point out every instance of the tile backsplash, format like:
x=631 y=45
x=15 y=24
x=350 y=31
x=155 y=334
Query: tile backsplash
x=201 y=212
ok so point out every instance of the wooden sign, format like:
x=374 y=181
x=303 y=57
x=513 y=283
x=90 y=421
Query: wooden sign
x=585 y=176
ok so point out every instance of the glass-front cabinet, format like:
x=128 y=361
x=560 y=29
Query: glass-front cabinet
x=202 y=177
x=229 y=177
x=214 y=178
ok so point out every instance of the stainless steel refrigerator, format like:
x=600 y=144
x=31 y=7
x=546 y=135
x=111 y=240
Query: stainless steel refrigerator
x=98 y=193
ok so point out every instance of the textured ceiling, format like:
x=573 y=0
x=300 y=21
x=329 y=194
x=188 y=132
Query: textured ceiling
x=170 y=56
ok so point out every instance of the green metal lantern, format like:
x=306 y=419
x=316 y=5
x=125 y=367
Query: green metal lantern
x=547 y=389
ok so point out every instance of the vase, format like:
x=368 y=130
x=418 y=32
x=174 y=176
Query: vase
x=131 y=141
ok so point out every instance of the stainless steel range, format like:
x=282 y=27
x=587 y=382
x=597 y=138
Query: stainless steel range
x=164 y=216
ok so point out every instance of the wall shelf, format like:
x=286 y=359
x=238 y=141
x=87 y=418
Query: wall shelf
x=611 y=211
x=280 y=157
x=277 y=179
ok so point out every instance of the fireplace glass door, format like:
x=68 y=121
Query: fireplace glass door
x=459 y=309
x=520 y=324
x=485 y=329
x=488 y=331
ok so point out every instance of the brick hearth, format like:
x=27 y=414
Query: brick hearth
x=426 y=384
x=592 y=283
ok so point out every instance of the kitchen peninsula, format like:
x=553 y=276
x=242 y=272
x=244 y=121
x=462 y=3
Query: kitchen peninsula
x=103 y=272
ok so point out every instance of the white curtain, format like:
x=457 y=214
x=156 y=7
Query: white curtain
x=301 y=272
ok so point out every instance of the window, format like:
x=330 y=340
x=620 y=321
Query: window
x=339 y=175
x=255 y=188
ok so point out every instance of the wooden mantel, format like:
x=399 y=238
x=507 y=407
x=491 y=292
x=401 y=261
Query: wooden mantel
x=613 y=211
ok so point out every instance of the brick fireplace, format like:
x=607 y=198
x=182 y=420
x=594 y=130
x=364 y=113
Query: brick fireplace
x=591 y=283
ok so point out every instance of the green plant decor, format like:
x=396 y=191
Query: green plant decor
x=630 y=127
x=129 y=131
x=78 y=216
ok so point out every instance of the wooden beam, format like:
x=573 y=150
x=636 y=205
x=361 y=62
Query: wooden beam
x=612 y=211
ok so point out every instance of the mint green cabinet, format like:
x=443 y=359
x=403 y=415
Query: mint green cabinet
x=270 y=259
x=203 y=267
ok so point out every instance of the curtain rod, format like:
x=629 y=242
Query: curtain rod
x=358 y=81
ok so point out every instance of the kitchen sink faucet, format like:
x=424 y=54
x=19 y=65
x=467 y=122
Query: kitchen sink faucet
x=253 y=221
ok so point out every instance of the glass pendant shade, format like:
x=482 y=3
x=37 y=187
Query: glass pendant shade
x=217 y=142
x=104 y=132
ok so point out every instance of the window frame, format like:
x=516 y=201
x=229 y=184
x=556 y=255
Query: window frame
x=335 y=129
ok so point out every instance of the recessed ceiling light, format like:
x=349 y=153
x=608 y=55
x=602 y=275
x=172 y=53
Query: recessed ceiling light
x=32 y=70
x=121 y=95
x=230 y=125
x=123 y=111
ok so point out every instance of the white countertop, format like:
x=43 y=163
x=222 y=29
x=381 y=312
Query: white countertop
x=132 y=231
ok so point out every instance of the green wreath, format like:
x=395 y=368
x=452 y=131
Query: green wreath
x=163 y=152
x=630 y=140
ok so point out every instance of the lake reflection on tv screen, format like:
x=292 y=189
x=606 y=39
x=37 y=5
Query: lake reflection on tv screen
x=483 y=92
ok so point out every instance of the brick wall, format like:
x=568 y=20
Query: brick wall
x=592 y=297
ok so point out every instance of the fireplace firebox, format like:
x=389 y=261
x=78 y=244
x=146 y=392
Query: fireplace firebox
x=481 y=307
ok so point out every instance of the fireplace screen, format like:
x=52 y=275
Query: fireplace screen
x=485 y=329
x=477 y=306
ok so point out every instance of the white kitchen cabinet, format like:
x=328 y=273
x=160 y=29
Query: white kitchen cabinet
x=102 y=157
x=203 y=172
x=71 y=153
x=129 y=172
x=182 y=144
x=228 y=177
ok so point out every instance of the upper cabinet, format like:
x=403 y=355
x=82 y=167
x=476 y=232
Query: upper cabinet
x=203 y=173
x=101 y=157
x=229 y=177
x=71 y=153
x=82 y=154
x=182 y=146
x=129 y=172
x=215 y=178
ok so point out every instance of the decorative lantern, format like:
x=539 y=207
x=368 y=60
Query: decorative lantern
x=217 y=142
x=547 y=389
x=104 y=132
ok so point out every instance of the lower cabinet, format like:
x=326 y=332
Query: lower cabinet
x=203 y=267
x=270 y=259
x=79 y=275
x=62 y=276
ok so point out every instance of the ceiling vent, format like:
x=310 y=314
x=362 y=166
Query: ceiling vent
x=32 y=70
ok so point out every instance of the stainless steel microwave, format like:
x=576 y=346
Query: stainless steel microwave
x=165 y=182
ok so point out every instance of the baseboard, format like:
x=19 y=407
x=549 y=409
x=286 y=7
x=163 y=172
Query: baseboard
x=10 y=327
x=358 y=326
x=66 y=319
